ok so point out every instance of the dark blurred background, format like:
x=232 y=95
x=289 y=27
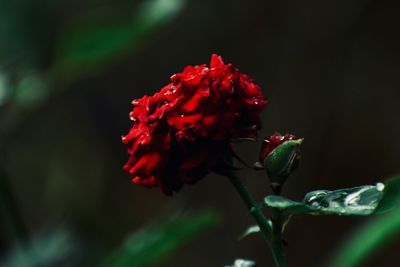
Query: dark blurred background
x=69 y=70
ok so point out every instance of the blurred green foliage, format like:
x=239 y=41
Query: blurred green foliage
x=48 y=249
x=153 y=244
x=90 y=43
x=96 y=40
x=368 y=241
x=148 y=246
x=23 y=33
x=10 y=217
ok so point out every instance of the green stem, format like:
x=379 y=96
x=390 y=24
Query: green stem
x=273 y=239
x=277 y=242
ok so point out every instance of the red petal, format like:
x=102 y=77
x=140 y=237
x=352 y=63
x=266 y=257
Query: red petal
x=183 y=121
x=146 y=164
x=208 y=124
x=196 y=102
x=148 y=182
x=216 y=61
x=194 y=76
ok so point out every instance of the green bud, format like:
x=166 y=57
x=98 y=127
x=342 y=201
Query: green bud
x=282 y=161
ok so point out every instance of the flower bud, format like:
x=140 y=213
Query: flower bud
x=279 y=156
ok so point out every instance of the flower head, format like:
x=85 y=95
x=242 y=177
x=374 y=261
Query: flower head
x=182 y=131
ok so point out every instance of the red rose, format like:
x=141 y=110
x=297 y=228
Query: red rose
x=181 y=132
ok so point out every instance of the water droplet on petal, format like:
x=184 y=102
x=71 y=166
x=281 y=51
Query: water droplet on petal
x=170 y=91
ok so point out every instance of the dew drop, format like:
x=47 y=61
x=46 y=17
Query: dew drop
x=380 y=186
x=311 y=198
x=171 y=90
x=352 y=199
x=315 y=204
x=255 y=101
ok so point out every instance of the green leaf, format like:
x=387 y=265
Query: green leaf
x=95 y=42
x=251 y=230
x=286 y=205
x=153 y=244
x=243 y=263
x=362 y=200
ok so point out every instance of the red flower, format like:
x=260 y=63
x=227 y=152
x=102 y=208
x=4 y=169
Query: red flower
x=272 y=142
x=181 y=132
